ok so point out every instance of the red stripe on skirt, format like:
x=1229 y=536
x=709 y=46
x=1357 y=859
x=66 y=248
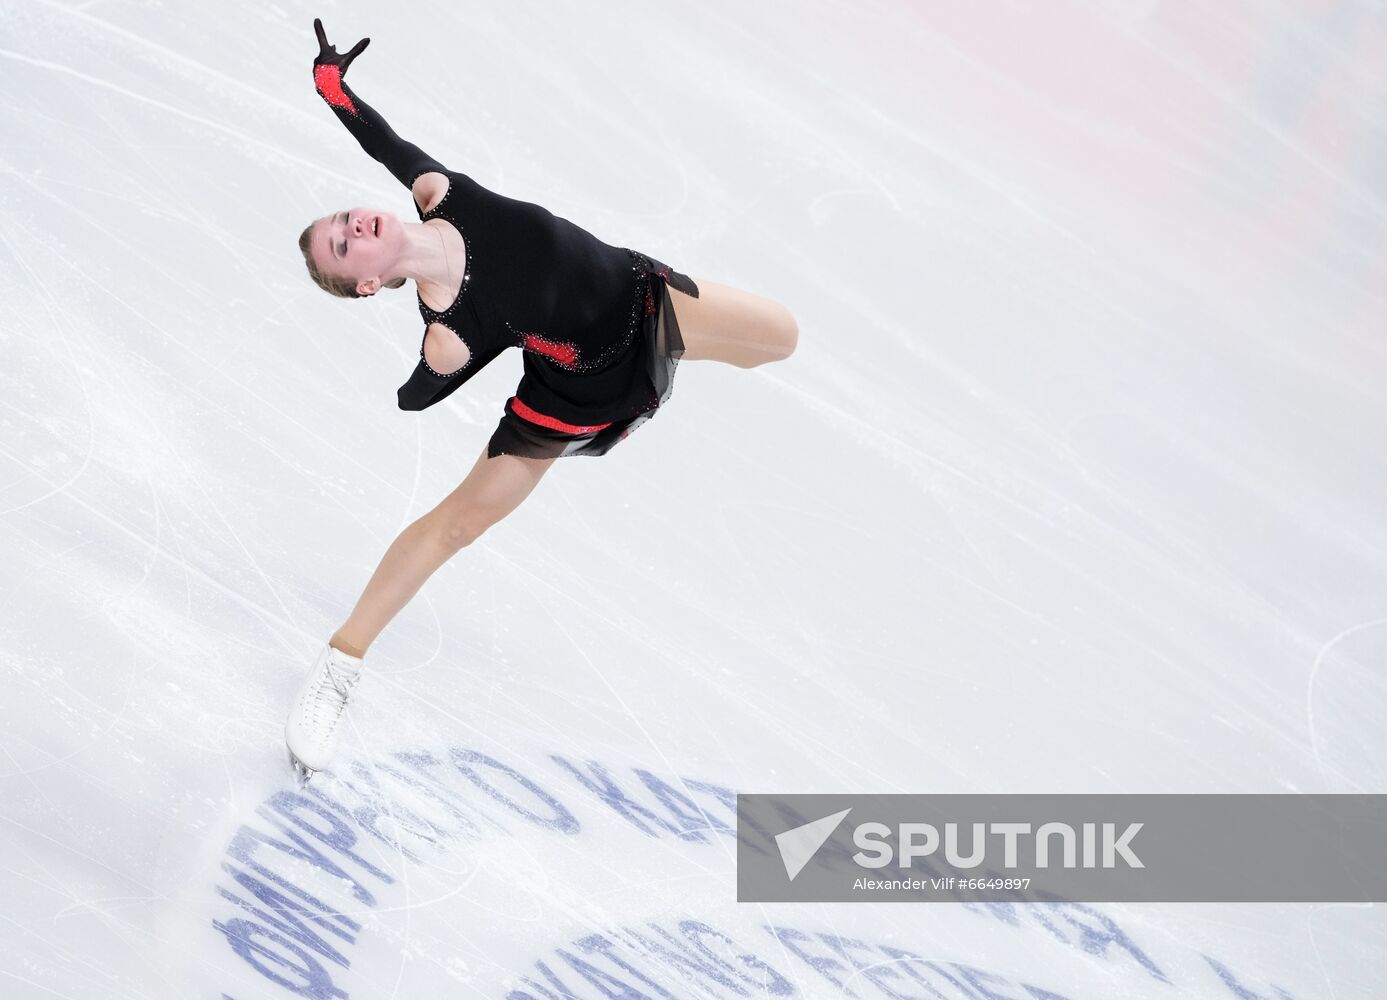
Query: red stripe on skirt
x=553 y=423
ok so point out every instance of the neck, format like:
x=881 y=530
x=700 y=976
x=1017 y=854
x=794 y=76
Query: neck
x=427 y=257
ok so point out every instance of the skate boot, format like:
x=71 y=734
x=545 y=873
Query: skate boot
x=311 y=732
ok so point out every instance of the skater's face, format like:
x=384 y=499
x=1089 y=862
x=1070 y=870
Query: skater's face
x=359 y=244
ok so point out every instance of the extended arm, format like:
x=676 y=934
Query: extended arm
x=426 y=386
x=402 y=158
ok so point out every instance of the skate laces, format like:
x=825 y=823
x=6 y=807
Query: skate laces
x=333 y=694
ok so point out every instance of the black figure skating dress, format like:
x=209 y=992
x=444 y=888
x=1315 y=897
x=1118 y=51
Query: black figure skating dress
x=594 y=321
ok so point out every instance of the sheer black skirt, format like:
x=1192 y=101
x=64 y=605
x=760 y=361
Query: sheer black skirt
x=524 y=432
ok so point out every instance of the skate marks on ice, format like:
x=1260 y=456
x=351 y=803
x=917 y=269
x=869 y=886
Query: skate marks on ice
x=471 y=852
x=1344 y=692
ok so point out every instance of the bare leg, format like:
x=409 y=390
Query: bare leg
x=732 y=326
x=494 y=488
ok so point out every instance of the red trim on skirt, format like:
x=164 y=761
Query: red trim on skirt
x=553 y=423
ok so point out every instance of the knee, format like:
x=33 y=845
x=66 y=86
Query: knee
x=457 y=531
x=789 y=333
x=781 y=337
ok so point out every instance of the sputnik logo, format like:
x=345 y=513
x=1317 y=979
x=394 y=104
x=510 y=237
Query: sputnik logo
x=800 y=844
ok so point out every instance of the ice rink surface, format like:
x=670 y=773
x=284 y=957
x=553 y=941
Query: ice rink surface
x=1075 y=483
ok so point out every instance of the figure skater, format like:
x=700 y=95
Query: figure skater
x=600 y=333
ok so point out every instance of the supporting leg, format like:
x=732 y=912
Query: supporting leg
x=494 y=488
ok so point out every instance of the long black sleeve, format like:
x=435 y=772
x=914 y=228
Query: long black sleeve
x=402 y=158
x=426 y=387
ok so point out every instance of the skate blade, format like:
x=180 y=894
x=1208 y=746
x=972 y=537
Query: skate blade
x=302 y=772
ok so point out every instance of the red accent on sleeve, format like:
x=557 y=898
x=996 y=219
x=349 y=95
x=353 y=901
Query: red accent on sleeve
x=328 y=80
x=553 y=423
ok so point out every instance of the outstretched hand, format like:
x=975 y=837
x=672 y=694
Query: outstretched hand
x=328 y=54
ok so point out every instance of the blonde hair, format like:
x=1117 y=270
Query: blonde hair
x=343 y=288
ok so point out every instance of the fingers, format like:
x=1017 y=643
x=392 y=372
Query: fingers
x=326 y=47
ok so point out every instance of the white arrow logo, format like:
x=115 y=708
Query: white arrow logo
x=797 y=846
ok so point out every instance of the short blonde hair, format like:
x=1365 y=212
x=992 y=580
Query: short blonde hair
x=343 y=288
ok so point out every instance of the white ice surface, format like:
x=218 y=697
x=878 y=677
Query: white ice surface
x=1076 y=482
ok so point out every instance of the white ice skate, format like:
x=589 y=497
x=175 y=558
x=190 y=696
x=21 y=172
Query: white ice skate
x=311 y=732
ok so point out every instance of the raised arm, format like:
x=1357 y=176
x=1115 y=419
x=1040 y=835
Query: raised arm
x=403 y=159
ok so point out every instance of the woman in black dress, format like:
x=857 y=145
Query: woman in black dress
x=601 y=336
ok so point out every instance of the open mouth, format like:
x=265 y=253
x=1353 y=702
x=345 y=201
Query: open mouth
x=375 y=226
